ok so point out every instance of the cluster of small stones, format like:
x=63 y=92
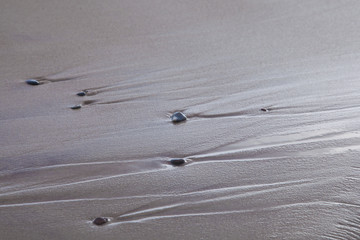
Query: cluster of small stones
x=80 y=94
x=177 y=117
x=35 y=82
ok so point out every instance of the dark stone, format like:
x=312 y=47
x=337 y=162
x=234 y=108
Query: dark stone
x=100 y=221
x=177 y=161
x=32 y=82
x=178 y=117
x=265 y=109
x=76 y=106
x=82 y=93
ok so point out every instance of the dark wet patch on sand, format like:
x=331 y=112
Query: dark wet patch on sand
x=121 y=100
x=89 y=102
x=220 y=115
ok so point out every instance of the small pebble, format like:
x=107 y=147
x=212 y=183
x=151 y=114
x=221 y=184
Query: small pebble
x=178 y=117
x=76 y=106
x=82 y=93
x=177 y=161
x=32 y=82
x=265 y=109
x=100 y=221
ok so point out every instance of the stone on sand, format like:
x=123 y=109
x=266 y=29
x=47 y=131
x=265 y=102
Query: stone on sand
x=82 y=93
x=177 y=161
x=100 y=221
x=178 y=117
x=76 y=107
x=32 y=82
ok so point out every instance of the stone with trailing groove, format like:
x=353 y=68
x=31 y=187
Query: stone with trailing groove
x=100 y=221
x=76 y=107
x=177 y=161
x=178 y=117
x=82 y=93
x=32 y=82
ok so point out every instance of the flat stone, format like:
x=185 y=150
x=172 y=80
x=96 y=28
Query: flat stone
x=82 y=93
x=100 y=221
x=178 y=117
x=76 y=106
x=32 y=82
x=177 y=161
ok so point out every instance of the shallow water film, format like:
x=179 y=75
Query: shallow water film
x=270 y=148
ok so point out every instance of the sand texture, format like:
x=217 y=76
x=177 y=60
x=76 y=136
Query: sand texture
x=288 y=171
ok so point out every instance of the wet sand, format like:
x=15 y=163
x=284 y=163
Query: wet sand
x=289 y=172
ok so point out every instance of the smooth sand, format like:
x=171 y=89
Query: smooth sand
x=290 y=173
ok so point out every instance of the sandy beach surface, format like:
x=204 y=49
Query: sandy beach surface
x=291 y=171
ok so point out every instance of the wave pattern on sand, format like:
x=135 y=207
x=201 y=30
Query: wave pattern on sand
x=271 y=141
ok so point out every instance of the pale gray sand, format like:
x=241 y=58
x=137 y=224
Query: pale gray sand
x=289 y=173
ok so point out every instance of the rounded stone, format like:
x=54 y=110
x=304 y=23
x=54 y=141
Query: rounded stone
x=178 y=117
x=100 y=221
x=82 y=93
x=177 y=161
x=265 y=109
x=32 y=82
x=76 y=107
